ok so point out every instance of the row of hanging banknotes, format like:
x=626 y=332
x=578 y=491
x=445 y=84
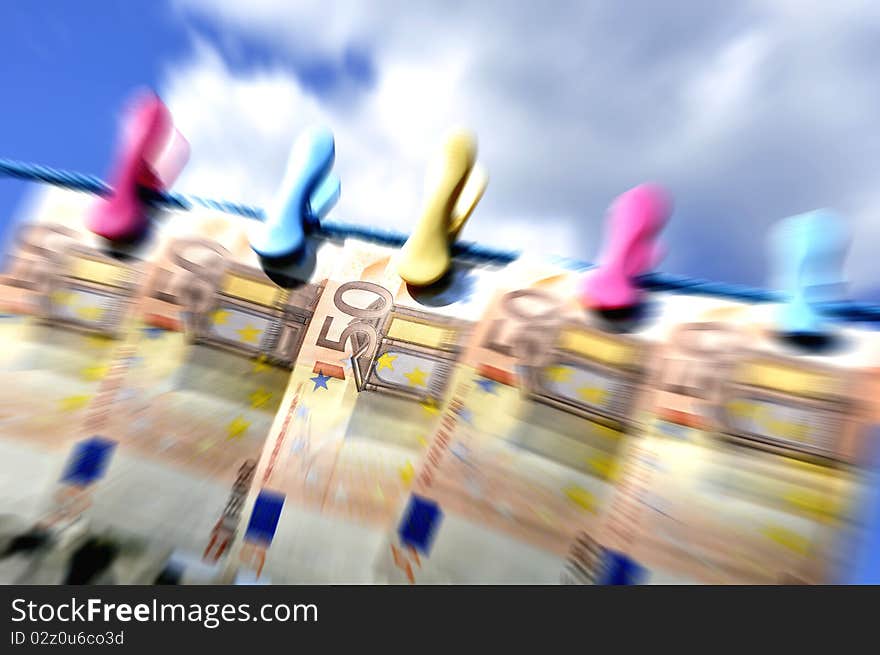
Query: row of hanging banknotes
x=173 y=413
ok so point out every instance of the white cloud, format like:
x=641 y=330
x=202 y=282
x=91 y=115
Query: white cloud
x=748 y=111
x=719 y=91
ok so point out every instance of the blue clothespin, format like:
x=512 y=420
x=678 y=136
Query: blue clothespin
x=809 y=253
x=307 y=193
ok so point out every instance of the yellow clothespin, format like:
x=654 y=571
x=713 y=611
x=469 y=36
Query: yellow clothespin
x=454 y=185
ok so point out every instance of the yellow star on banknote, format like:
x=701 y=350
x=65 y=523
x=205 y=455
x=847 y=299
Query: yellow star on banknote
x=90 y=313
x=96 y=372
x=237 y=427
x=789 y=429
x=62 y=297
x=220 y=317
x=558 y=373
x=260 y=365
x=260 y=397
x=606 y=433
x=385 y=361
x=407 y=472
x=603 y=465
x=72 y=403
x=581 y=497
x=763 y=417
x=787 y=538
x=416 y=377
x=739 y=408
x=97 y=341
x=593 y=395
x=249 y=333
x=430 y=406
x=760 y=415
x=800 y=431
x=813 y=502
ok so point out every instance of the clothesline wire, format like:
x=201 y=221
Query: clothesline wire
x=475 y=252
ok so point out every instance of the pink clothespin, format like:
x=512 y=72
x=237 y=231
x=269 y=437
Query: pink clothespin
x=151 y=155
x=631 y=249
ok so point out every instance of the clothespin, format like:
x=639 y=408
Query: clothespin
x=809 y=251
x=631 y=248
x=307 y=193
x=151 y=156
x=454 y=185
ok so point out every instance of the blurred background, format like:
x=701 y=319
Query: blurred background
x=746 y=111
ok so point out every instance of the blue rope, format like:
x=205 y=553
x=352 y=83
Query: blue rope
x=475 y=252
x=76 y=181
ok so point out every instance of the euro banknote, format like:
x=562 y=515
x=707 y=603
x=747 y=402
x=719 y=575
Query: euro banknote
x=754 y=459
x=526 y=449
x=191 y=369
x=371 y=381
x=65 y=303
x=551 y=447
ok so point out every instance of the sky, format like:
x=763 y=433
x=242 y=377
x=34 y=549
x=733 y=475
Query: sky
x=746 y=111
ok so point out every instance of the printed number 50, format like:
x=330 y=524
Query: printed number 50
x=377 y=309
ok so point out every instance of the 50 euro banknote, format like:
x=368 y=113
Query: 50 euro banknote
x=525 y=454
x=554 y=424
x=218 y=338
x=66 y=300
x=754 y=462
x=158 y=448
x=373 y=376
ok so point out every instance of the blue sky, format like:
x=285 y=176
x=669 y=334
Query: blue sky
x=68 y=68
x=71 y=66
x=746 y=111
